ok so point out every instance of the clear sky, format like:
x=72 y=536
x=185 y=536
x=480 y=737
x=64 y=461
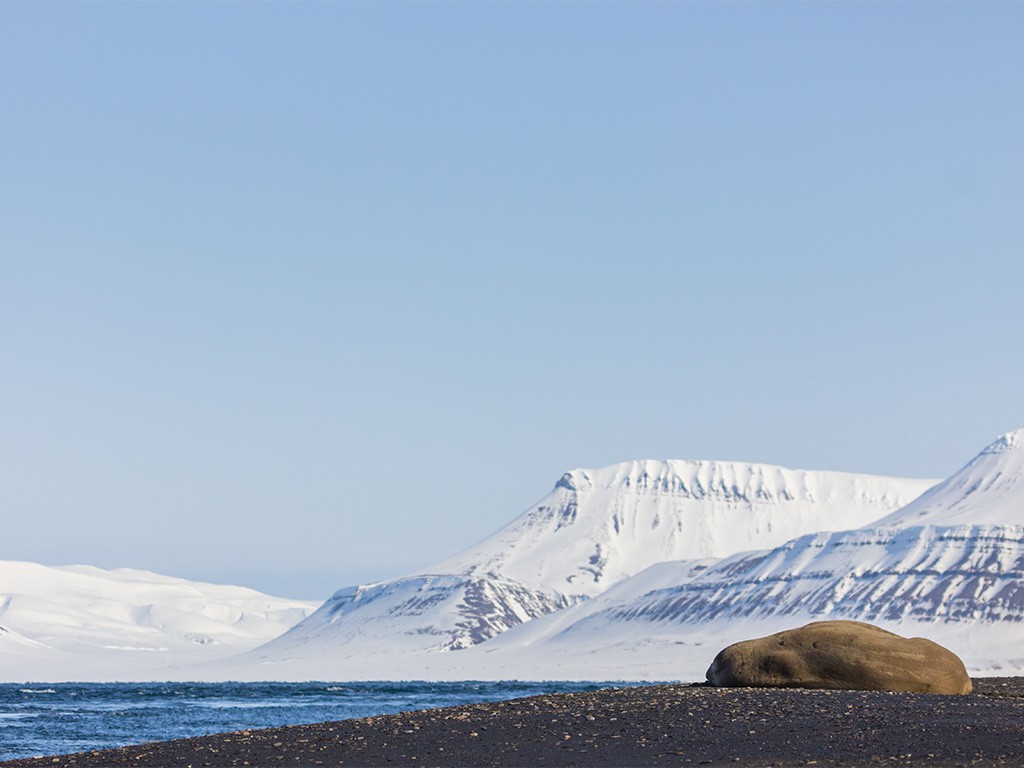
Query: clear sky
x=301 y=295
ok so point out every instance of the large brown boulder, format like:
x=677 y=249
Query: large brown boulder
x=841 y=654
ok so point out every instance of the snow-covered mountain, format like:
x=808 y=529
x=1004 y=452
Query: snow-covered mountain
x=594 y=529
x=954 y=555
x=599 y=526
x=644 y=570
x=949 y=566
x=80 y=622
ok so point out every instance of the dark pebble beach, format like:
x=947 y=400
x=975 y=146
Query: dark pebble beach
x=645 y=726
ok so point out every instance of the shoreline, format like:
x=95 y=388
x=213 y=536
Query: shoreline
x=651 y=725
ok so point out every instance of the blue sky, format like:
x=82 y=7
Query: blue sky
x=299 y=295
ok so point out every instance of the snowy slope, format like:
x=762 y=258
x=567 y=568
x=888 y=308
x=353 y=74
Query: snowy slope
x=988 y=491
x=594 y=529
x=436 y=613
x=923 y=573
x=627 y=593
x=79 y=622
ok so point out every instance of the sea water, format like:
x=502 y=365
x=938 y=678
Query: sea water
x=55 y=719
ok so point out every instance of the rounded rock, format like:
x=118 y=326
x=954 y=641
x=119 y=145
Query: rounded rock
x=846 y=655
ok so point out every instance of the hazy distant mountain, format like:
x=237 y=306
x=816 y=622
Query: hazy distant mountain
x=79 y=622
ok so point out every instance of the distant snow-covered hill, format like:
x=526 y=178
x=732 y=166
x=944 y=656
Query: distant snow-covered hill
x=594 y=529
x=85 y=623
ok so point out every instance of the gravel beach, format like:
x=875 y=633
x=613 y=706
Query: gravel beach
x=660 y=725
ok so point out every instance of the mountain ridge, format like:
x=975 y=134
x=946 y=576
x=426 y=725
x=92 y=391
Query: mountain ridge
x=594 y=529
x=595 y=526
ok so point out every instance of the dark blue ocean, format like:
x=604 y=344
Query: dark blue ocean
x=54 y=719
